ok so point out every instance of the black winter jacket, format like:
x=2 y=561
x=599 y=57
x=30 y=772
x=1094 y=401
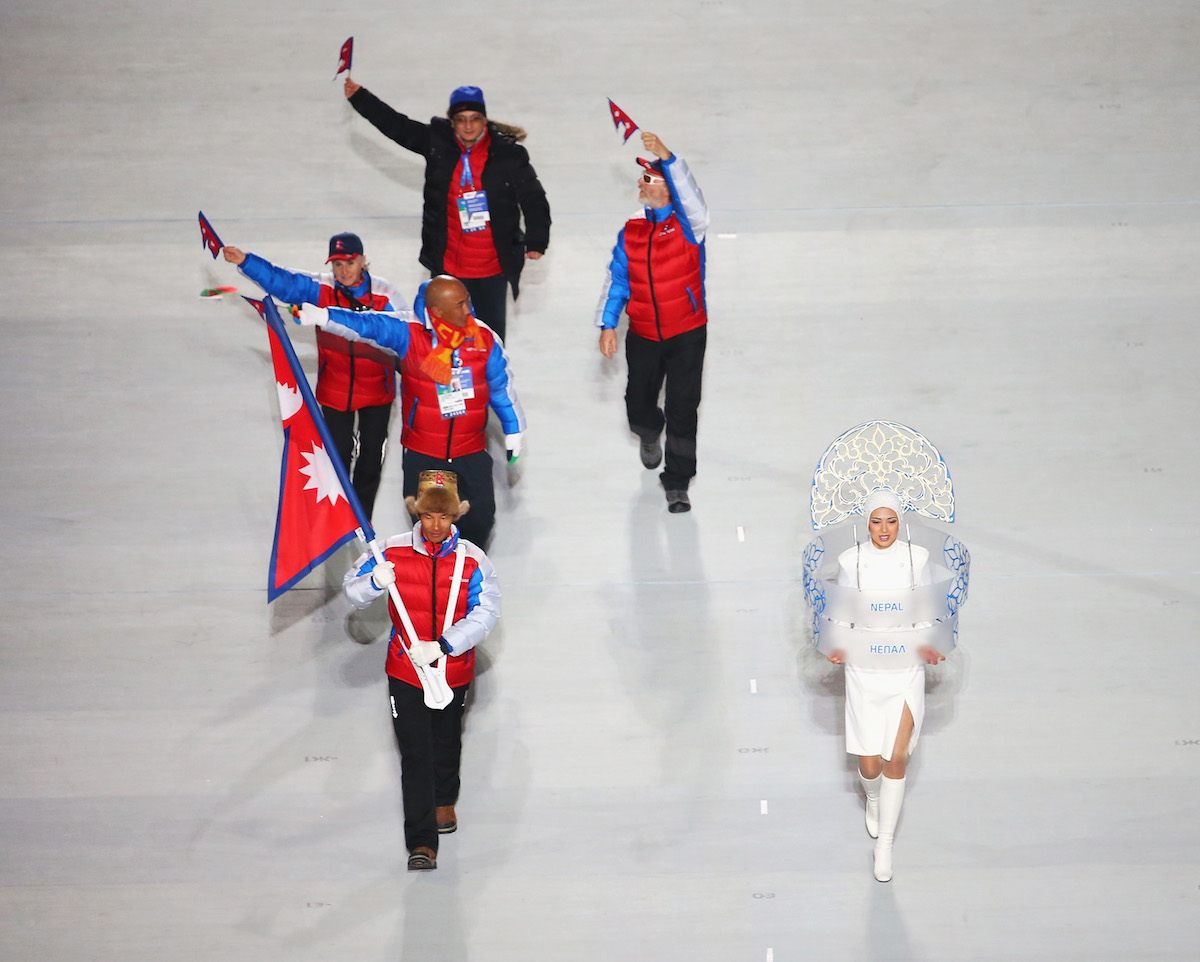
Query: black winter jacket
x=512 y=186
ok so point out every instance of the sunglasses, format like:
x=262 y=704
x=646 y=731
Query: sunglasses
x=649 y=178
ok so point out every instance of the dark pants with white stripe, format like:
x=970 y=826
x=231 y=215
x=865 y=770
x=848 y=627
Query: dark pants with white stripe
x=430 y=743
x=364 y=446
x=679 y=363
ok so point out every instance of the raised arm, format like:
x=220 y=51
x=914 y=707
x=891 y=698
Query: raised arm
x=685 y=193
x=686 y=197
x=290 y=287
x=408 y=133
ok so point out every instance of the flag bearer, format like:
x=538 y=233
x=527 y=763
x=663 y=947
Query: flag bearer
x=451 y=601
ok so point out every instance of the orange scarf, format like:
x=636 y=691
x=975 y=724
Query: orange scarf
x=438 y=362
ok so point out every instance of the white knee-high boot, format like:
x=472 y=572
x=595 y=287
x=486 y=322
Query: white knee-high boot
x=871 y=790
x=891 y=799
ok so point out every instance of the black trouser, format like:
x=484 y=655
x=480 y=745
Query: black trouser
x=430 y=743
x=364 y=446
x=489 y=300
x=475 y=484
x=680 y=362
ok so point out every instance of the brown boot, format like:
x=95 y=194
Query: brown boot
x=447 y=821
x=422 y=858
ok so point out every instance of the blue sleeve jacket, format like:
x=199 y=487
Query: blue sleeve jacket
x=688 y=203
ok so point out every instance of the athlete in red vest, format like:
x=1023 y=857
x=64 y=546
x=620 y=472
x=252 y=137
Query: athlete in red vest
x=452 y=369
x=451 y=600
x=657 y=277
x=355 y=382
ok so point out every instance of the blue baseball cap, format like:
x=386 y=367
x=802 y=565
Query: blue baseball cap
x=466 y=98
x=344 y=247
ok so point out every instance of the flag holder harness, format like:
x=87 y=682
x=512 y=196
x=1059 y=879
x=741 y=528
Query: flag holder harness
x=438 y=694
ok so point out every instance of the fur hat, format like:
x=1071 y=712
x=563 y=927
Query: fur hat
x=437 y=491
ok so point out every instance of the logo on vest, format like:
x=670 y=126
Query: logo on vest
x=666 y=229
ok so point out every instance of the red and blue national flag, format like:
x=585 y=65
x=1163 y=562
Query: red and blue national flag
x=208 y=237
x=345 y=55
x=621 y=119
x=319 y=510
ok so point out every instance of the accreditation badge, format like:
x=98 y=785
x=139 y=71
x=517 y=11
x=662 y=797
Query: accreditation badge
x=453 y=397
x=473 y=213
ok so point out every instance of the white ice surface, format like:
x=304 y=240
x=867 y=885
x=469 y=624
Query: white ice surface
x=980 y=219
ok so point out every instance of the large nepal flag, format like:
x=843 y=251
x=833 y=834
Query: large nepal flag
x=318 y=508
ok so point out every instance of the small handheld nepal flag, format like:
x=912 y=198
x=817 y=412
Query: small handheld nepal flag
x=621 y=119
x=208 y=237
x=318 y=508
x=344 y=57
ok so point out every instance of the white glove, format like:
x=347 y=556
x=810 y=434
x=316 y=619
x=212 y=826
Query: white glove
x=312 y=316
x=425 y=653
x=513 y=444
x=383 y=575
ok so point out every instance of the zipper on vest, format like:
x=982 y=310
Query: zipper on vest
x=650 y=277
x=353 y=304
x=449 y=437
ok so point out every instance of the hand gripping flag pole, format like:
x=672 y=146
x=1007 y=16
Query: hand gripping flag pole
x=306 y=532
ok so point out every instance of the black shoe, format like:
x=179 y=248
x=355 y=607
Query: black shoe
x=421 y=859
x=677 y=502
x=651 y=453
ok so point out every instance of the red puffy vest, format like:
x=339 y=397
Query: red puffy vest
x=425 y=430
x=666 y=283
x=352 y=375
x=424 y=584
x=473 y=254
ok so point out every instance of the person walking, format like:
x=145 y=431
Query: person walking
x=656 y=275
x=451 y=601
x=485 y=212
x=355 y=383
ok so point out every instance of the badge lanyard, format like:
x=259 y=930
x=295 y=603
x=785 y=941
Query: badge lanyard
x=473 y=213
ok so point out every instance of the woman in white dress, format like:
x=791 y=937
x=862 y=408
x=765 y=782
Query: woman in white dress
x=884 y=708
